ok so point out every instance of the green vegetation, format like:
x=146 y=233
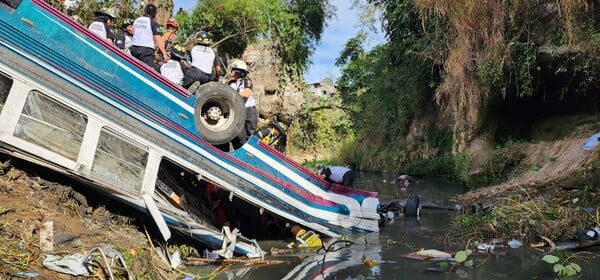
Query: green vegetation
x=566 y=268
x=500 y=164
x=523 y=218
x=475 y=59
x=461 y=257
x=293 y=27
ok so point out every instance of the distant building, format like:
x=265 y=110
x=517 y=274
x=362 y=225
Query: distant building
x=325 y=87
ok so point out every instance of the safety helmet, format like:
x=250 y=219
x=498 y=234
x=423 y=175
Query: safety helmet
x=179 y=52
x=203 y=38
x=172 y=22
x=105 y=13
x=239 y=65
x=279 y=127
x=126 y=22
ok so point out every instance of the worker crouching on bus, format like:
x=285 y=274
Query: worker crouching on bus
x=273 y=135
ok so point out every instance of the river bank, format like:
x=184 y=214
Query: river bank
x=44 y=214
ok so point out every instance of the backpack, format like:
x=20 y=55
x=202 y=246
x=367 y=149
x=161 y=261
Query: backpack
x=120 y=39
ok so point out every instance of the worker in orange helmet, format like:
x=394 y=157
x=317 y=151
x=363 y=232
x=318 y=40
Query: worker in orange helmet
x=170 y=38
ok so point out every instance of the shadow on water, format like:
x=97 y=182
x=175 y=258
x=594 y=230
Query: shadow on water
x=399 y=237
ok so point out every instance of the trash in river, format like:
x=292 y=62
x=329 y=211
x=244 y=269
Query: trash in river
x=97 y=259
x=369 y=263
x=432 y=253
x=429 y=254
x=28 y=274
x=209 y=255
x=69 y=264
x=46 y=236
x=513 y=243
x=587 y=234
x=591 y=142
x=488 y=248
x=390 y=215
x=408 y=207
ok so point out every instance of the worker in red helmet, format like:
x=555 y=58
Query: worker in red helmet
x=170 y=38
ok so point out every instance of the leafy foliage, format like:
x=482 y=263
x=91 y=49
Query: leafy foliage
x=386 y=88
x=85 y=9
x=325 y=130
x=561 y=269
x=294 y=26
x=500 y=163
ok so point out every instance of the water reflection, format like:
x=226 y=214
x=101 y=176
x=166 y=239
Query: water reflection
x=342 y=262
x=400 y=237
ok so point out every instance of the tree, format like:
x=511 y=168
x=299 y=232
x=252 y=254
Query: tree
x=387 y=87
x=293 y=26
x=85 y=9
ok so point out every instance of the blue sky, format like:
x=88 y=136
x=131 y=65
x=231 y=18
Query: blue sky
x=342 y=27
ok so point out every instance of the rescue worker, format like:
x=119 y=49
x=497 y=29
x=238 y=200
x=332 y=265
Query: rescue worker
x=243 y=85
x=170 y=38
x=272 y=135
x=404 y=180
x=124 y=37
x=204 y=60
x=102 y=25
x=147 y=37
x=175 y=68
x=339 y=175
x=305 y=239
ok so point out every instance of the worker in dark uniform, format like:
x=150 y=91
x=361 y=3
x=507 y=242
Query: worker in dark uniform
x=147 y=36
x=339 y=175
x=273 y=135
x=124 y=37
x=102 y=25
x=243 y=85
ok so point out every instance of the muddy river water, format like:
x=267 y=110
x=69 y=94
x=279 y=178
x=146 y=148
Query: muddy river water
x=383 y=255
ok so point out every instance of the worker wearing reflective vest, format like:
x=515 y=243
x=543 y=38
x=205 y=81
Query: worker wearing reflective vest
x=304 y=238
x=271 y=134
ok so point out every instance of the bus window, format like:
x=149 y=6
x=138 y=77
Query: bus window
x=120 y=159
x=52 y=125
x=5 y=85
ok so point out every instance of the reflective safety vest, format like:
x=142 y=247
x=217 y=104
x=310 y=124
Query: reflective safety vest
x=270 y=138
x=306 y=239
x=99 y=28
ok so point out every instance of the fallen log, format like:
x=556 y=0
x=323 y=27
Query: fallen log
x=200 y=261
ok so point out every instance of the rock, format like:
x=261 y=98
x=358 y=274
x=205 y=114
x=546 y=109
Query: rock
x=62 y=238
x=80 y=199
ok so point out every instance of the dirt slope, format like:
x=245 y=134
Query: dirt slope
x=550 y=166
x=27 y=202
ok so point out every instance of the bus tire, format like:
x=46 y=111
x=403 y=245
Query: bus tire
x=219 y=113
x=412 y=205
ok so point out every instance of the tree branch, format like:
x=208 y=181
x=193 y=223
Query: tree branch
x=214 y=45
x=322 y=107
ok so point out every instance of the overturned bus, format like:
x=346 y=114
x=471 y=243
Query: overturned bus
x=78 y=105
